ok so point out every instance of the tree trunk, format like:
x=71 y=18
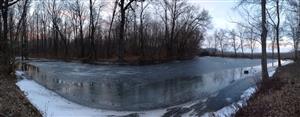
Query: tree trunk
x=277 y=33
x=264 y=66
x=81 y=37
x=5 y=52
x=121 y=33
x=92 y=33
x=142 y=31
x=110 y=29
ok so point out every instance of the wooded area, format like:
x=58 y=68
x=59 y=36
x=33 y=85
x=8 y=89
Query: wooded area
x=134 y=29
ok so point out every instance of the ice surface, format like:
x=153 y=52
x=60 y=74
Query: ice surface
x=229 y=111
x=53 y=104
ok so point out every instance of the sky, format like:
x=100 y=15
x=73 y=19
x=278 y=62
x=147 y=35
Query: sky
x=223 y=12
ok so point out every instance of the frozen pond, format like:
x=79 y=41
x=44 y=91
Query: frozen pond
x=217 y=81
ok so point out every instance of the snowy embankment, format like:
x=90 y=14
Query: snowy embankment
x=51 y=104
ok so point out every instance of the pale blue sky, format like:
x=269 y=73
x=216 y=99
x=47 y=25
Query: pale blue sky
x=222 y=11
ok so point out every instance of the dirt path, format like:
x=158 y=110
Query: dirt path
x=279 y=97
x=13 y=102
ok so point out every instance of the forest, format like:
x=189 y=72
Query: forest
x=134 y=30
x=137 y=31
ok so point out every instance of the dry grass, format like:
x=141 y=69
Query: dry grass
x=13 y=102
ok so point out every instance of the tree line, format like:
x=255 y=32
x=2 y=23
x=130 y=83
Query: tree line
x=137 y=30
x=282 y=22
x=269 y=25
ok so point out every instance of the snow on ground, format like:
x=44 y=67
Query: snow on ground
x=20 y=74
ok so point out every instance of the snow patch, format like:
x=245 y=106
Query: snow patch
x=230 y=110
x=20 y=74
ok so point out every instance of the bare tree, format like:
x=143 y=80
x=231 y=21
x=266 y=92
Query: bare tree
x=123 y=8
x=111 y=26
x=251 y=26
x=210 y=41
x=92 y=27
x=276 y=25
x=220 y=36
x=24 y=37
x=78 y=9
x=141 y=30
x=241 y=36
x=293 y=24
x=264 y=34
x=59 y=30
x=234 y=43
x=251 y=37
x=6 y=57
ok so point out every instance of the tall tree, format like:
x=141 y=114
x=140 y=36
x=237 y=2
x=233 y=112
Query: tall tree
x=6 y=57
x=293 y=23
x=234 y=43
x=92 y=31
x=220 y=36
x=264 y=34
x=79 y=11
x=141 y=30
x=277 y=32
x=276 y=25
x=123 y=8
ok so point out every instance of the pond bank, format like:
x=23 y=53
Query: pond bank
x=13 y=103
x=278 y=97
x=134 y=61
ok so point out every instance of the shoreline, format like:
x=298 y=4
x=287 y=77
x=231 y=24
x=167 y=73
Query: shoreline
x=136 y=61
x=111 y=61
x=278 y=96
